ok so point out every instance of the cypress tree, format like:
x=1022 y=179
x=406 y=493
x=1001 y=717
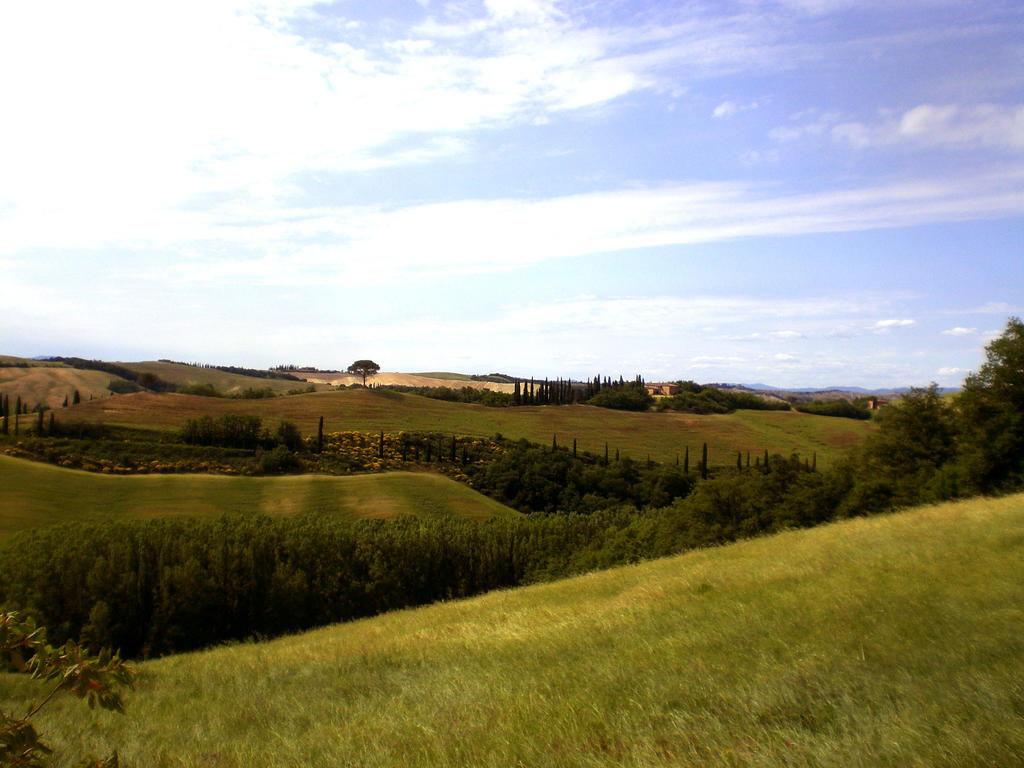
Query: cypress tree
x=606 y=454
x=39 y=421
x=574 y=447
x=739 y=461
x=766 y=461
x=616 y=455
x=76 y=398
x=554 y=443
x=320 y=436
x=65 y=403
x=704 y=463
x=452 y=456
x=49 y=429
x=686 y=461
x=814 y=462
x=17 y=405
x=748 y=459
x=16 y=417
x=380 y=449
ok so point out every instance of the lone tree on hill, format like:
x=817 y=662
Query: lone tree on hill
x=364 y=368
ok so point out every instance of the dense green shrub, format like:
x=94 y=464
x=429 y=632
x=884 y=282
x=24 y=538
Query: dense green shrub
x=486 y=397
x=252 y=393
x=123 y=386
x=704 y=399
x=840 y=408
x=229 y=430
x=628 y=397
x=204 y=390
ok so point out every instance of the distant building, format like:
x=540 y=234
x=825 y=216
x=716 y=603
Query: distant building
x=662 y=389
x=877 y=402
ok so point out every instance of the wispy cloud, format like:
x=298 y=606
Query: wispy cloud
x=960 y=331
x=730 y=108
x=887 y=325
x=974 y=126
x=471 y=236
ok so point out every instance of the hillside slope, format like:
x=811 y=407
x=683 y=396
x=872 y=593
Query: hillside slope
x=50 y=383
x=663 y=436
x=889 y=641
x=37 y=494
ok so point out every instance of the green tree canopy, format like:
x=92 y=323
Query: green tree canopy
x=364 y=368
x=992 y=414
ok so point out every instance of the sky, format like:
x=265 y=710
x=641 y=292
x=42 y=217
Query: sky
x=801 y=193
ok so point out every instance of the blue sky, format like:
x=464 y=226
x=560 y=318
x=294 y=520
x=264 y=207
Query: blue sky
x=801 y=192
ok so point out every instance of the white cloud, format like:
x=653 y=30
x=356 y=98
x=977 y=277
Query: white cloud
x=121 y=105
x=990 y=308
x=725 y=109
x=260 y=238
x=729 y=108
x=801 y=127
x=999 y=126
x=960 y=331
x=755 y=157
x=884 y=326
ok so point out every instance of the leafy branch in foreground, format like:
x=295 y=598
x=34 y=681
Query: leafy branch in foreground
x=96 y=679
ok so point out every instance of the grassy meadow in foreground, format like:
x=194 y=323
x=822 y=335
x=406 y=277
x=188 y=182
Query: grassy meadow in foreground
x=37 y=494
x=886 y=641
x=663 y=436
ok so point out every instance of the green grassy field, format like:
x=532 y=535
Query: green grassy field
x=661 y=435
x=35 y=494
x=888 y=641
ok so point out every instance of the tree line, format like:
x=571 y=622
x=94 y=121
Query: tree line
x=160 y=586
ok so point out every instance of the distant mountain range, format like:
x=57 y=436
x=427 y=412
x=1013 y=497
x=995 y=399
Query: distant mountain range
x=833 y=390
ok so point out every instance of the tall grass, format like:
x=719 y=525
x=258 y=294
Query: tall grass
x=892 y=641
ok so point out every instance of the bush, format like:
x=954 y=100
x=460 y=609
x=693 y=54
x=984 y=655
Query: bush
x=278 y=460
x=123 y=387
x=839 y=408
x=250 y=393
x=629 y=397
x=204 y=390
x=229 y=431
x=288 y=436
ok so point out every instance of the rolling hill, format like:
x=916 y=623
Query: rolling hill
x=663 y=436
x=50 y=383
x=37 y=494
x=886 y=641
